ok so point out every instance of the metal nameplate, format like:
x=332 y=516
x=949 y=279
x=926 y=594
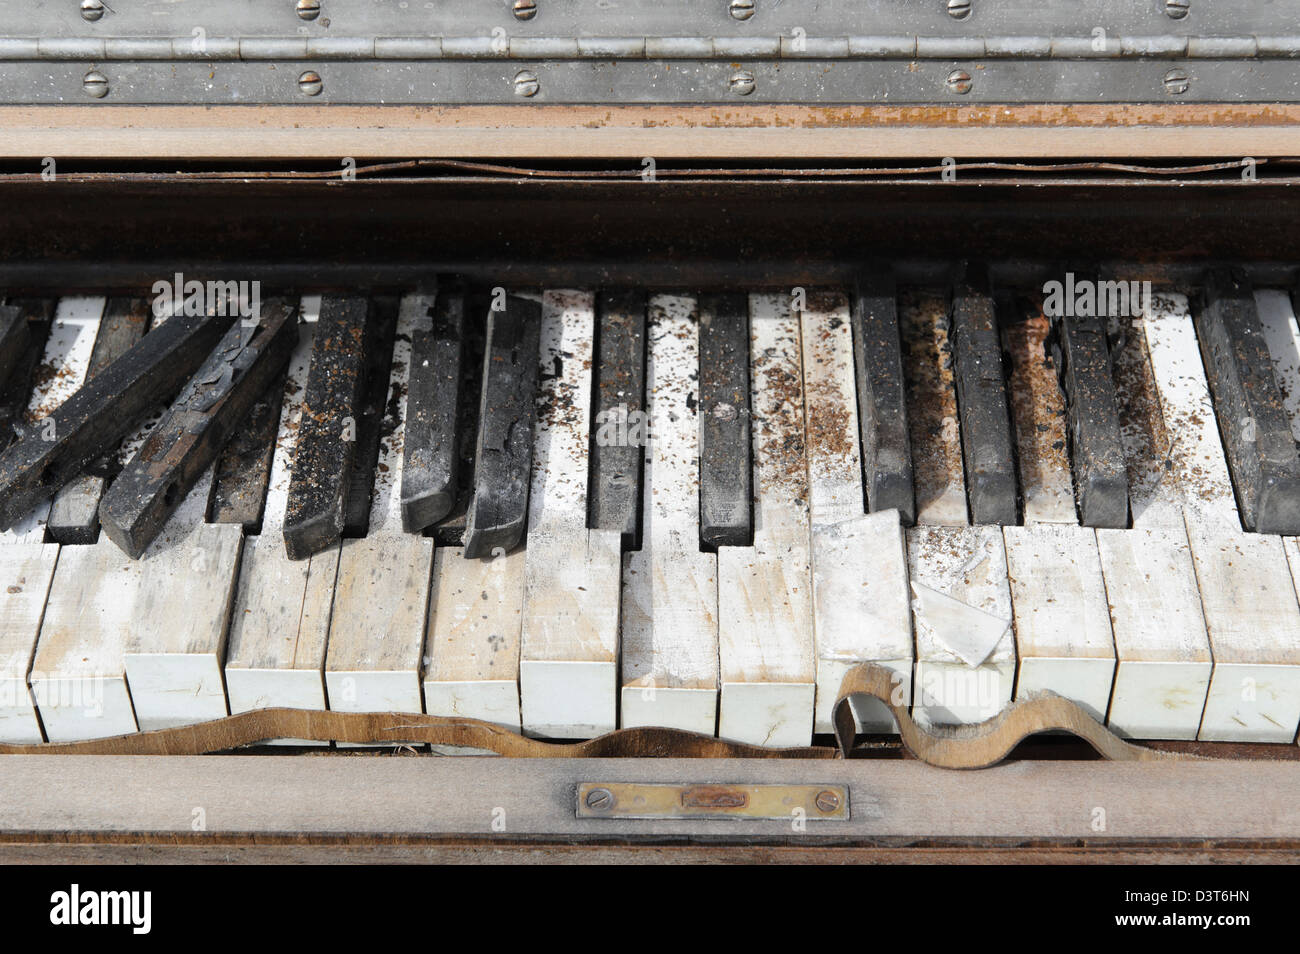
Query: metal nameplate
x=649 y=800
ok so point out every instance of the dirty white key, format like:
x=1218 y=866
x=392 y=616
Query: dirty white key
x=861 y=610
x=1247 y=593
x=765 y=636
x=568 y=665
x=381 y=594
x=275 y=653
x=27 y=565
x=960 y=596
x=670 y=589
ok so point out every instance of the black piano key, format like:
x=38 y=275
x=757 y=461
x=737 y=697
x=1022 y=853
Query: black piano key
x=195 y=428
x=430 y=454
x=1082 y=358
x=982 y=406
x=503 y=456
x=381 y=331
x=882 y=405
x=97 y=416
x=243 y=468
x=16 y=387
x=14 y=339
x=74 y=515
x=614 y=501
x=327 y=434
x=1253 y=422
x=450 y=531
x=726 y=474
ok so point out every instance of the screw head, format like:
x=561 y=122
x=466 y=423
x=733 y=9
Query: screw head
x=741 y=9
x=92 y=10
x=95 y=84
x=959 y=82
x=741 y=82
x=1176 y=82
x=827 y=801
x=526 y=83
x=308 y=9
x=1177 y=9
x=959 y=9
x=525 y=9
x=600 y=799
x=310 y=83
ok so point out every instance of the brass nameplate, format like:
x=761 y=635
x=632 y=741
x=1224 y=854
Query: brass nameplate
x=653 y=800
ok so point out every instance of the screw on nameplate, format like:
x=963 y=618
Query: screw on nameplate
x=638 y=800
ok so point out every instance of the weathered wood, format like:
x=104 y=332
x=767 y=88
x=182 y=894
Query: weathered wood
x=431 y=457
x=765 y=612
x=725 y=441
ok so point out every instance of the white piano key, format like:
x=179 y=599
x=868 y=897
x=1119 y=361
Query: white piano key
x=765 y=621
x=961 y=602
x=26 y=571
x=381 y=595
x=669 y=633
x=861 y=610
x=1062 y=619
x=1039 y=423
x=279 y=627
x=932 y=419
x=568 y=664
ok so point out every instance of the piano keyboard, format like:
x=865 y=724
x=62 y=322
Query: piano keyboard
x=570 y=511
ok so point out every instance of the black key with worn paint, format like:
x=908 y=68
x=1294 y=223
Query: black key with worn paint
x=1082 y=358
x=98 y=415
x=243 y=469
x=882 y=404
x=450 y=531
x=726 y=474
x=197 y=426
x=503 y=456
x=1253 y=422
x=74 y=515
x=614 y=502
x=982 y=405
x=430 y=455
x=14 y=339
x=381 y=332
x=327 y=432
x=15 y=389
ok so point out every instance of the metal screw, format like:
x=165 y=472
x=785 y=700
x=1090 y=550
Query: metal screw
x=959 y=81
x=525 y=9
x=959 y=9
x=827 y=801
x=742 y=82
x=92 y=10
x=310 y=83
x=1176 y=82
x=308 y=9
x=95 y=84
x=600 y=799
x=1177 y=9
x=526 y=83
x=741 y=9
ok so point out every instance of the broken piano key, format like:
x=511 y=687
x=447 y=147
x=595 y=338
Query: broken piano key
x=196 y=427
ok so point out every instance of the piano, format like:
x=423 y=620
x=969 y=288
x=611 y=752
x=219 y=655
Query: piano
x=579 y=372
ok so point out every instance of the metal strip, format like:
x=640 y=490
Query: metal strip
x=707 y=800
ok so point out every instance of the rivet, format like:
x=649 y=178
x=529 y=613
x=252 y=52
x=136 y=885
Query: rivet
x=600 y=799
x=827 y=801
x=526 y=83
x=959 y=9
x=741 y=9
x=92 y=10
x=1177 y=9
x=308 y=9
x=525 y=9
x=959 y=82
x=1176 y=82
x=95 y=84
x=742 y=82
x=310 y=83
